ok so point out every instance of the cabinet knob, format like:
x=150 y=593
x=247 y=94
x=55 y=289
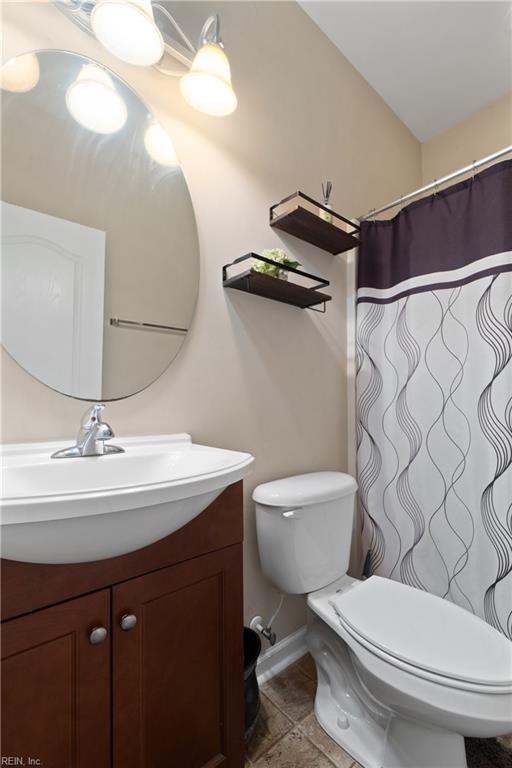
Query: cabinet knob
x=98 y=635
x=128 y=621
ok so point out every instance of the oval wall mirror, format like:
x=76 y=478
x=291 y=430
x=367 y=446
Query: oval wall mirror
x=100 y=257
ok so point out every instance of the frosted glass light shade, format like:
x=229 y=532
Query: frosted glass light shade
x=159 y=145
x=207 y=87
x=20 y=74
x=127 y=29
x=94 y=102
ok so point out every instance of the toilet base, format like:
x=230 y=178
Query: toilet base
x=413 y=745
x=370 y=732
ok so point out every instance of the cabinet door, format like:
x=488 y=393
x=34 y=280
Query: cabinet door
x=55 y=686
x=178 y=673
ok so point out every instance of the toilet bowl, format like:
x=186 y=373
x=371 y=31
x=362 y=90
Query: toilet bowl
x=403 y=675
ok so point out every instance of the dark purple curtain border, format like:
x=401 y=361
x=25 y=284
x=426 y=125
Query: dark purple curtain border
x=452 y=229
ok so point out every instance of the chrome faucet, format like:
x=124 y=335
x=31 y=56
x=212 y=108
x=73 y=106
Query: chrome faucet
x=92 y=436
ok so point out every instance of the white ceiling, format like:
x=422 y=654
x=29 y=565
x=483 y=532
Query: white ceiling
x=434 y=63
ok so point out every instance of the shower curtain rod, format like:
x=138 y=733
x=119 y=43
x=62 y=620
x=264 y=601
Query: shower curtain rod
x=437 y=182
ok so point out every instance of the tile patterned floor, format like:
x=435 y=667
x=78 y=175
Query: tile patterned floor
x=287 y=734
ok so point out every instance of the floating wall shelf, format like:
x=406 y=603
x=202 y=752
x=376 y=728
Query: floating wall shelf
x=300 y=215
x=274 y=288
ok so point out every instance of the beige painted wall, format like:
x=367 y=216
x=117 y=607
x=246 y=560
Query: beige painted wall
x=479 y=135
x=253 y=375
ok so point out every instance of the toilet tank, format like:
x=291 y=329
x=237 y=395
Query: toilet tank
x=304 y=526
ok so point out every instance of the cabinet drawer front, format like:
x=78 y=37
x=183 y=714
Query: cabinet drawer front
x=178 y=672
x=55 y=685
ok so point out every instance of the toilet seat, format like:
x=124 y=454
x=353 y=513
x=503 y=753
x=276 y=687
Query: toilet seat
x=425 y=635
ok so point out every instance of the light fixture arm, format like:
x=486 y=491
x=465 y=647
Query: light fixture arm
x=210 y=32
x=175 y=24
x=182 y=53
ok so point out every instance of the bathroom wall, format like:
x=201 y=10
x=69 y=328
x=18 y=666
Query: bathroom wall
x=479 y=135
x=253 y=375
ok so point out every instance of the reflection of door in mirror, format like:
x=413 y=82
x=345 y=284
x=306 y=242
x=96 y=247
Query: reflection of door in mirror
x=53 y=282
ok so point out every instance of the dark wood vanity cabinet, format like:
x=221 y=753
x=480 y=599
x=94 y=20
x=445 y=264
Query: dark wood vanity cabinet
x=162 y=686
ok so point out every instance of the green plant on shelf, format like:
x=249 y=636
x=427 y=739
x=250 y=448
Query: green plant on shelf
x=273 y=270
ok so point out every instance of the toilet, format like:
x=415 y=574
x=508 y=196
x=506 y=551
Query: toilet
x=403 y=675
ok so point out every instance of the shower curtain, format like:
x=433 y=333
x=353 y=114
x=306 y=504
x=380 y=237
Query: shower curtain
x=434 y=395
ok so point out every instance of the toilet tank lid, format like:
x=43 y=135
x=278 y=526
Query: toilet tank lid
x=301 y=490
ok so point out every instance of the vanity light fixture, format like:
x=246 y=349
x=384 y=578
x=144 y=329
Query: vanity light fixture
x=207 y=87
x=94 y=102
x=129 y=31
x=20 y=74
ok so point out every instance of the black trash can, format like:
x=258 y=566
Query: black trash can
x=252 y=649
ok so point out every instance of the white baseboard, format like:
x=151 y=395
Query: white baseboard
x=281 y=655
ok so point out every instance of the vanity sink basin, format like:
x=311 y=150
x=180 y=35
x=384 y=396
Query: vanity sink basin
x=84 y=509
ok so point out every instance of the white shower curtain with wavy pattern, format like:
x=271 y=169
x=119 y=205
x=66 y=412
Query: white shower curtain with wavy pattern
x=434 y=394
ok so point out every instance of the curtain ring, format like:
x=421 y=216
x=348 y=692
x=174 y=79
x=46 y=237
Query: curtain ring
x=473 y=170
x=401 y=203
x=435 y=187
x=371 y=214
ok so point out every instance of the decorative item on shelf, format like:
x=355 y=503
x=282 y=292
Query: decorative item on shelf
x=307 y=219
x=133 y=31
x=264 y=284
x=326 y=215
x=275 y=255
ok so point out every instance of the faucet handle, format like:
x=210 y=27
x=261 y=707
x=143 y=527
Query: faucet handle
x=92 y=423
x=99 y=430
x=92 y=416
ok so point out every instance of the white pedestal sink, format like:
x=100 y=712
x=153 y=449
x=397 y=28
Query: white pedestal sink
x=83 y=509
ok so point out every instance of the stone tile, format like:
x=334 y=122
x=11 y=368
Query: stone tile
x=487 y=753
x=294 y=751
x=293 y=692
x=321 y=762
x=316 y=734
x=271 y=726
x=308 y=666
x=506 y=741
